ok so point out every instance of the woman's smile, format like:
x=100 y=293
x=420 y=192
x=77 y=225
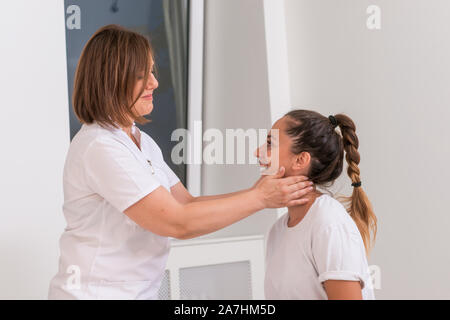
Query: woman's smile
x=148 y=97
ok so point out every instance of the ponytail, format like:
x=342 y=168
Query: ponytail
x=359 y=206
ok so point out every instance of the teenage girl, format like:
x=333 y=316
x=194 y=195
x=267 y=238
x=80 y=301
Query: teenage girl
x=318 y=250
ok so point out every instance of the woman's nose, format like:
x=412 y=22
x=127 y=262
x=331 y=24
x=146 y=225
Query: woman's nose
x=152 y=82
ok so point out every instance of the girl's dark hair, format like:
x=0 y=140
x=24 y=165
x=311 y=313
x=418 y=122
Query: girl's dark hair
x=313 y=133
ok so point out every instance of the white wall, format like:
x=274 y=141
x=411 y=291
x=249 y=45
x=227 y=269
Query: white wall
x=394 y=83
x=34 y=137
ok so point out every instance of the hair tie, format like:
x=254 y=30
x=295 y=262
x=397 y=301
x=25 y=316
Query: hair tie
x=333 y=121
x=356 y=184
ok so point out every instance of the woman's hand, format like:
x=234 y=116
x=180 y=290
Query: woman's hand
x=278 y=192
x=161 y=213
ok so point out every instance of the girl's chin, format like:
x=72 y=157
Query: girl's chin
x=267 y=171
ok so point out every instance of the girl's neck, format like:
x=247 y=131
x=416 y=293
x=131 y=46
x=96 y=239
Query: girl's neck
x=297 y=213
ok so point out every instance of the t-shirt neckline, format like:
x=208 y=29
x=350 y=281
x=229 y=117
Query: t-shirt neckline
x=305 y=218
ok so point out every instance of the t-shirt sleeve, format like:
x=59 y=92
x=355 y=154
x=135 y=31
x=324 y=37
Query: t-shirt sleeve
x=115 y=174
x=339 y=254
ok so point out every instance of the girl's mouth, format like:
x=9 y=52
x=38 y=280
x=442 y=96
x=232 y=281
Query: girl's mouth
x=264 y=165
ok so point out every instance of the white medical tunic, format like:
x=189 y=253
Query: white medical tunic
x=105 y=254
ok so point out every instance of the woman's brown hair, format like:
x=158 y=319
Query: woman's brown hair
x=313 y=133
x=107 y=72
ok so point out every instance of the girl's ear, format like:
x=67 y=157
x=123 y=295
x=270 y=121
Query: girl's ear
x=302 y=161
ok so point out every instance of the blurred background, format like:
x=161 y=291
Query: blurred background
x=239 y=64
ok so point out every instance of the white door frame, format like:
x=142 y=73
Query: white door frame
x=195 y=96
x=277 y=62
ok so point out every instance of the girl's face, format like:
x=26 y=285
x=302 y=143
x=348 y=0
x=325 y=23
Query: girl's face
x=144 y=104
x=276 y=153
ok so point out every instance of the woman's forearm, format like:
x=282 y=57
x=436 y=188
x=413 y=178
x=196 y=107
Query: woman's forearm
x=218 y=196
x=223 y=196
x=160 y=212
x=206 y=216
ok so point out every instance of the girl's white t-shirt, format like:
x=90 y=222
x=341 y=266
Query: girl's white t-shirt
x=324 y=245
x=105 y=254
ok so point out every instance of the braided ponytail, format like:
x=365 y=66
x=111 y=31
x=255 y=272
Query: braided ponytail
x=359 y=206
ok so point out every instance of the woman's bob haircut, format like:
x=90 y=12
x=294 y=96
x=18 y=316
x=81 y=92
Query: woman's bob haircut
x=109 y=67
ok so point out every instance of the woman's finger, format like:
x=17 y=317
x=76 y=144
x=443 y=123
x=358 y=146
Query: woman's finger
x=299 y=186
x=298 y=202
x=300 y=193
x=293 y=180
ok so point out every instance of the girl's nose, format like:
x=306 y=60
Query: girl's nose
x=257 y=152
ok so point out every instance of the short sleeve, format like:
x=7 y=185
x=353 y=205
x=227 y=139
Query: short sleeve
x=173 y=178
x=339 y=254
x=113 y=172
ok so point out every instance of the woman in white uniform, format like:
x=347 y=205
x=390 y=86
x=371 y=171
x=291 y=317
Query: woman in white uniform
x=121 y=200
x=318 y=250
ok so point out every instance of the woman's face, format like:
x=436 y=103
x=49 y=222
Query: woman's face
x=144 y=104
x=276 y=152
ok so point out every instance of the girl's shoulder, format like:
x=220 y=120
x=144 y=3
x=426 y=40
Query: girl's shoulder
x=279 y=225
x=331 y=213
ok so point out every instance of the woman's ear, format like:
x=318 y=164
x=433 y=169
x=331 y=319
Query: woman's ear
x=302 y=161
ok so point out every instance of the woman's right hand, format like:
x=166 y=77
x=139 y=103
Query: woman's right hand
x=278 y=192
x=159 y=212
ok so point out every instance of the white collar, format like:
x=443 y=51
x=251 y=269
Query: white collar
x=119 y=131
